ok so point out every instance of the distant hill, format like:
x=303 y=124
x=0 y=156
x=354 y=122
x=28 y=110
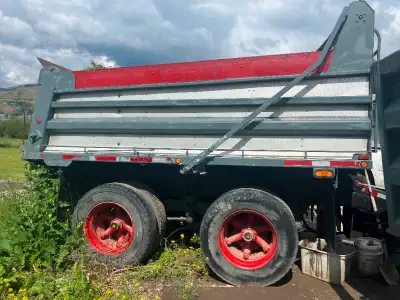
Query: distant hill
x=12 y=101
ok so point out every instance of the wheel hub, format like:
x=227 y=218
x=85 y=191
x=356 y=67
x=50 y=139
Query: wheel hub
x=109 y=228
x=115 y=225
x=247 y=239
x=248 y=235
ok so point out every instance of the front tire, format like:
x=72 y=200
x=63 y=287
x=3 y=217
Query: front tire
x=120 y=225
x=249 y=237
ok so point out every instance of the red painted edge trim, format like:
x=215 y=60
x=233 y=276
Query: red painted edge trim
x=286 y=163
x=363 y=156
x=298 y=163
x=70 y=156
x=366 y=191
x=144 y=159
x=309 y=163
x=219 y=69
x=106 y=158
x=344 y=164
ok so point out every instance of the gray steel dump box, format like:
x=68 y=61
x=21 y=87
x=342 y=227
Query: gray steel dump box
x=316 y=108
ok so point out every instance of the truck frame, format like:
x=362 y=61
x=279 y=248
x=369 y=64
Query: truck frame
x=241 y=147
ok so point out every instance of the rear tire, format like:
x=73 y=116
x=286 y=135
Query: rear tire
x=158 y=207
x=97 y=209
x=264 y=266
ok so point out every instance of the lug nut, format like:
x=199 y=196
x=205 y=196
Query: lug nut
x=114 y=226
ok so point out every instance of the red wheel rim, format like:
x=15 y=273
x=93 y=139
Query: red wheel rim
x=247 y=239
x=109 y=228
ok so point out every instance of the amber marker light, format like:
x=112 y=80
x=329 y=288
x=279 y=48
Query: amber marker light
x=324 y=173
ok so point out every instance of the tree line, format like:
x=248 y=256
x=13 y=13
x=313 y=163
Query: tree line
x=14 y=128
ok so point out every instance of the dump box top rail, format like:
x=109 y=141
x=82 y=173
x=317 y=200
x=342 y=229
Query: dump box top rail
x=310 y=109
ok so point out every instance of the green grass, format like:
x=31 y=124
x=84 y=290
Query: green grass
x=11 y=164
x=10 y=143
x=177 y=264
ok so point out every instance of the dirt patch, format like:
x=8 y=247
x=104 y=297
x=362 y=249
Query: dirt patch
x=295 y=286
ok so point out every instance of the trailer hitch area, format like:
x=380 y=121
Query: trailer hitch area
x=199 y=170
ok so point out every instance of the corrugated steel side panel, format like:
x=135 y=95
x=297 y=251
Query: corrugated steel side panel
x=161 y=140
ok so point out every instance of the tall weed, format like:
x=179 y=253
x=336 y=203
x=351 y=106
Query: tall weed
x=32 y=238
x=41 y=256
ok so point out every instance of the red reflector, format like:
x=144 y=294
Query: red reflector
x=358 y=183
x=70 y=156
x=344 y=164
x=144 y=159
x=106 y=158
x=366 y=191
x=42 y=155
x=38 y=120
x=298 y=163
x=363 y=156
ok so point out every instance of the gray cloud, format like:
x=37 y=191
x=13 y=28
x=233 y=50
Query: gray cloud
x=133 y=32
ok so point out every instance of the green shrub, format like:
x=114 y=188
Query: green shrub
x=41 y=256
x=68 y=285
x=10 y=143
x=32 y=238
x=14 y=128
x=5 y=144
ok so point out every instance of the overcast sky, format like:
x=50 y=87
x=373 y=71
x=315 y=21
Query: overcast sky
x=135 y=32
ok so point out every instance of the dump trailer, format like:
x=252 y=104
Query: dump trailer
x=240 y=147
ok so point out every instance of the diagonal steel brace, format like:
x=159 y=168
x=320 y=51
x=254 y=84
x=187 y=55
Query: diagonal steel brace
x=271 y=101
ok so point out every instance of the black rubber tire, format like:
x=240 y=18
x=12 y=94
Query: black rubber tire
x=158 y=207
x=278 y=213
x=141 y=211
x=161 y=214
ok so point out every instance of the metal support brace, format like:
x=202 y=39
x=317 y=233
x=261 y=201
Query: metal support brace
x=377 y=83
x=274 y=100
x=330 y=218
